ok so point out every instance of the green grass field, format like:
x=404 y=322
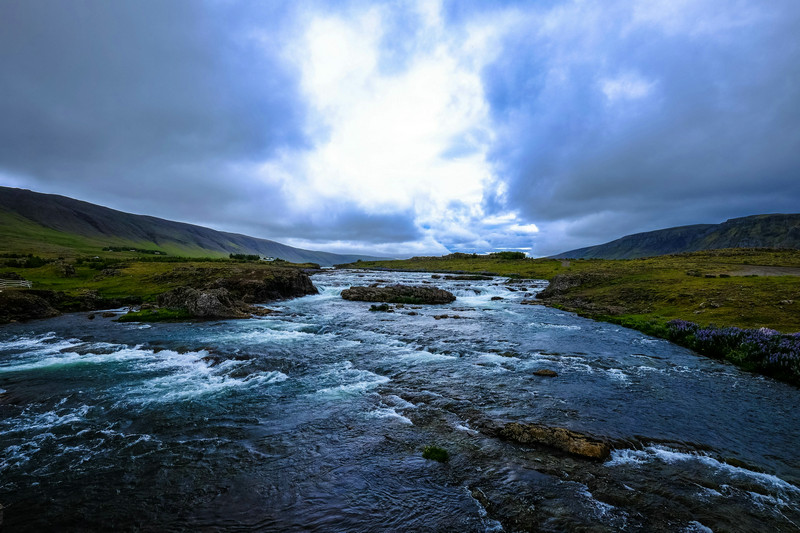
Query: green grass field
x=740 y=287
x=146 y=278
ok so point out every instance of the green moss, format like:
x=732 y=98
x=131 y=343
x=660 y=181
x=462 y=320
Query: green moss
x=155 y=315
x=434 y=453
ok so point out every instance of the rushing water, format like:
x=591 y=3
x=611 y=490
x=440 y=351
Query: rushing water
x=314 y=419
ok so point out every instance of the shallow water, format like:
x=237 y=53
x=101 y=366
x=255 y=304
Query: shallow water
x=315 y=419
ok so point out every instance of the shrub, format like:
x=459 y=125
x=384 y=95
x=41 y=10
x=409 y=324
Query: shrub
x=509 y=255
x=434 y=453
x=761 y=350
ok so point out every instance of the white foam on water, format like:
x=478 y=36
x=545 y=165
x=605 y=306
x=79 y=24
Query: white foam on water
x=497 y=358
x=388 y=412
x=195 y=384
x=27 y=341
x=191 y=376
x=398 y=402
x=617 y=374
x=20 y=427
x=423 y=356
x=696 y=527
x=351 y=380
x=548 y=325
x=465 y=428
x=604 y=511
x=490 y=525
x=670 y=456
x=59 y=359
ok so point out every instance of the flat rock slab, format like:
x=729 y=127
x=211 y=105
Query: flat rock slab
x=566 y=440
x=399 y=294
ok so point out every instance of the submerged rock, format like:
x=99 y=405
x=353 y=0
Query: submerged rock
x=546 y=372
x=572 y=442
x=399 y=294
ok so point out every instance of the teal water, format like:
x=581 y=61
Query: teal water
x=315 y=419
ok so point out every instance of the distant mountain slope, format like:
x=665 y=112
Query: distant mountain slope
x=34 y=222
x=757 y=231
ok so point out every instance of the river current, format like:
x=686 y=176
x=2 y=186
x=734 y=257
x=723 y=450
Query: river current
x=315 y=419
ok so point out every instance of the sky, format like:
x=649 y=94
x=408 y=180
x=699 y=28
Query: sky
x=407 y=128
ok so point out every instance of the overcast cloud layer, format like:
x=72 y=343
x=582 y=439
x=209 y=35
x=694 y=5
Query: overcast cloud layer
x=404 y=128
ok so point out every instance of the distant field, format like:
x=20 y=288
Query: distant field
x=748 y=288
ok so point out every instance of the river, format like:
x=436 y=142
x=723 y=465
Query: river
x=315 y=419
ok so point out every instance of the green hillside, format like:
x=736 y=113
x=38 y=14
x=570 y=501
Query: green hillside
x=51 y=225
x=757 y=231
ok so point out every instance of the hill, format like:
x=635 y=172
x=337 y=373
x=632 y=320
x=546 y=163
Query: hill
x=757 y=231
x=49 y=224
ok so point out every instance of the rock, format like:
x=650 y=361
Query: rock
x=209 y=303
x=572 y=442
x=263 y=311
x=399 y=294
x=469 y=277
x=496 y=298
x=66 y=270
x=531 y=302
x=546 y=372
x=277 y=284
x=90 y=316
x=108 y=314
x=24 y=305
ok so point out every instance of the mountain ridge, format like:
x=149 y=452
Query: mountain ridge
x=30 y=221
x=777 y=230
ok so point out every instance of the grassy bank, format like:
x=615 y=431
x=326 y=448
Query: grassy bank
x=739 y=287
x=746 y=289
x=95 y=282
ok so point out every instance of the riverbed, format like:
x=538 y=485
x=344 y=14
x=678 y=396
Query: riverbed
x=315 y=418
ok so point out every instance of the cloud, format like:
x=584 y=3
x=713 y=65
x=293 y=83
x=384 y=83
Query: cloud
x=415 y=127
x=645 y=115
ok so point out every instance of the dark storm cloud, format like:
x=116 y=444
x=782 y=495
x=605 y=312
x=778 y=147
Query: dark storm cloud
x=702 y=122
x=144 y=101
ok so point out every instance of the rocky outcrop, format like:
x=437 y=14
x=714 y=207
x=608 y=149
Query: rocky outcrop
x=16 y=305
x=399 y=294
x=207 y=303
x=572 y=442
x=562 y=283
x=277 y=284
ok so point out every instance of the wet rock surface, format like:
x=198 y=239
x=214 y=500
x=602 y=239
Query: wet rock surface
x=399 y=294
x=209 y=303
x=572 y=442
x=24 y=305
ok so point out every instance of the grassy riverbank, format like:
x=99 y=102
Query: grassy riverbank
x=746 y=289
x=96 y=282
x=738 y=287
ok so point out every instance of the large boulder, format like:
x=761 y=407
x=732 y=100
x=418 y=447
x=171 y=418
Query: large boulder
x=566 y=440
x=266 y=286
x=206 y=303
x=404 y=294
x=24 y=305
